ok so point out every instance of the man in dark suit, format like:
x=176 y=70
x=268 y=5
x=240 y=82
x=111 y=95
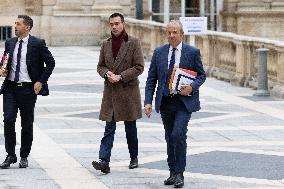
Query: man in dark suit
x=29 y=66
x=175 y=109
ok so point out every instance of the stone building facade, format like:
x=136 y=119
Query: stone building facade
x=79 y=22
x=261 y=18
x=62 y=22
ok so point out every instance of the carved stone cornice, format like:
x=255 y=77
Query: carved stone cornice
x=33 y=7
x=67 y=7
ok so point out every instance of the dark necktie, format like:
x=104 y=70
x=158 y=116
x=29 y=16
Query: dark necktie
x=17 y=72
x=169 y=73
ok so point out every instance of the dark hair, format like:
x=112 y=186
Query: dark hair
x=116 y=15
x=27 y=20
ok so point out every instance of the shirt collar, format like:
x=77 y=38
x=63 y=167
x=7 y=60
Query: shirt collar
x=178 y=48
x=25 y=39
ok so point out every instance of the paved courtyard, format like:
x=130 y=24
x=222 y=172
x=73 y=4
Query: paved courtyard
x=236 y=141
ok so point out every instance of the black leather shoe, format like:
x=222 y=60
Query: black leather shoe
x=8 y=161
x=103 y=166
x=23 y=163
x=171 y=180
x=179 y=181
x=133 y=163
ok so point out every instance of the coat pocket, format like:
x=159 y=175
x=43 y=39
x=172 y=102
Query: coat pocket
x=133 y=82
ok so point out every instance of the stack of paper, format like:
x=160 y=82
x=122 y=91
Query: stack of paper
x=179 y=77
x=4 y=61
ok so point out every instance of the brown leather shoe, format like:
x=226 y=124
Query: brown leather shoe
x=8 y=161
x=103 y=166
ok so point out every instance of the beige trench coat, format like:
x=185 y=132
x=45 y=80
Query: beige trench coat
x=122 y=99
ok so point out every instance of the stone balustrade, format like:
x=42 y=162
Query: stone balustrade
x=226 y=56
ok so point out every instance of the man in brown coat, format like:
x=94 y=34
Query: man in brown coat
x=120 y=64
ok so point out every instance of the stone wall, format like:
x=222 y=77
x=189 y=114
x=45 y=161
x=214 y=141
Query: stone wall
x=226 y=56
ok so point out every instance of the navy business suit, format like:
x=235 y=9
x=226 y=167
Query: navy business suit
x=175 y=111
x=40 y=64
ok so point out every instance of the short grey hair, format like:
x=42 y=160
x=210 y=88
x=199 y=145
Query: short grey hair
x=176 y=22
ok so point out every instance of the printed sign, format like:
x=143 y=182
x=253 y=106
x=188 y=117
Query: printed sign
x=194 y=25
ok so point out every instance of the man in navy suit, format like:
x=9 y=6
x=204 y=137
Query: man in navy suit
x=175 y=109
x=29 y=66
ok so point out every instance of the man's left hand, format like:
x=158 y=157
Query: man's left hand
x=37 y=87
x=185 y=90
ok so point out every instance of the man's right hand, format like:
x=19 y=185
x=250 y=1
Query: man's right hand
x=3 y=72
x=148 y=110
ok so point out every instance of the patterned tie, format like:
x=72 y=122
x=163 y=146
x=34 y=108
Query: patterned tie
x=17 y=72
x=170 y=70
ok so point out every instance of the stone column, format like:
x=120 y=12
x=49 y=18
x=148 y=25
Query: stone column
x=202 y=8
x=212 y=15
x=166 y=11
x=183 y=8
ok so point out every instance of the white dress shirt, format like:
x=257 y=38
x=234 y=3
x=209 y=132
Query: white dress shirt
x=177 y=55
x=23 y=75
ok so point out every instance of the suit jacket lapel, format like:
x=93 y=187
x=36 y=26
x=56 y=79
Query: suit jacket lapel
x=29 y=49
x=164 y=61
x=14 y=42
x=109 y=55
x=183 y=59
x=120 y=55
x=11 y=51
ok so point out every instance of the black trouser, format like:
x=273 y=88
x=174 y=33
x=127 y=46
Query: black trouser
x=22 y=98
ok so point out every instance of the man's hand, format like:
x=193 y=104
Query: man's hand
x=148 y=110
x=108 y=74
x=114 y=78
x=185 y=90
x=3 y=72
x=37 y=87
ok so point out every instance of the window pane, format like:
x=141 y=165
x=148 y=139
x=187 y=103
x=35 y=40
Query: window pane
x=5 y=32
x=9 y=32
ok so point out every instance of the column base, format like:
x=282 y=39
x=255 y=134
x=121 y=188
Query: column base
x=261 y=93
